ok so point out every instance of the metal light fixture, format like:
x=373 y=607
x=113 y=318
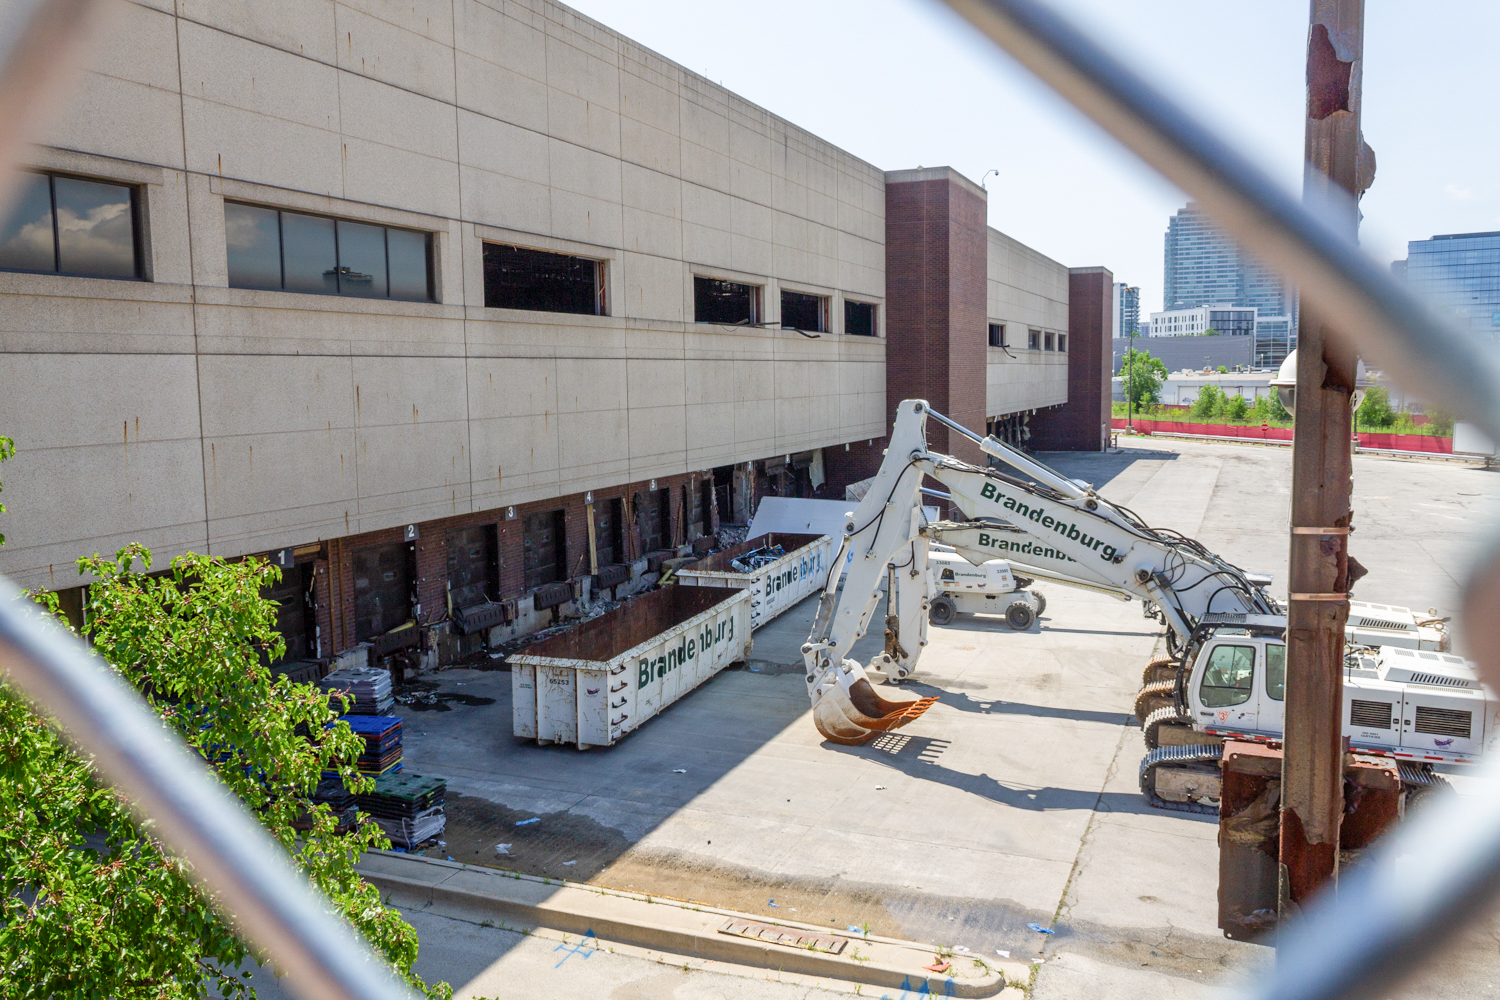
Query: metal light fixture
x=1285 y=383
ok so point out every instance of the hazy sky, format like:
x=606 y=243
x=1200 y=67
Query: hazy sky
x=903 y=83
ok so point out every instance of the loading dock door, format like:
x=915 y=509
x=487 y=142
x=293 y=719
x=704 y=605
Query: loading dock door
x=545 y=548
x=382 y=588
x=294 y=613
x=473 y=569
x=607 y=525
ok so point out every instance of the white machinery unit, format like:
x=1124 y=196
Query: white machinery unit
x=991 y=588
x=1078 y=538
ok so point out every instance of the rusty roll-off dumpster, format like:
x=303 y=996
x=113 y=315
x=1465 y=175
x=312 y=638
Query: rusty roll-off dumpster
x=595 y=683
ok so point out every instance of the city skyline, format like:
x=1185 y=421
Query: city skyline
x=1062 y=186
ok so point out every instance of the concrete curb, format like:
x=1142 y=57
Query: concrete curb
x=672 y=926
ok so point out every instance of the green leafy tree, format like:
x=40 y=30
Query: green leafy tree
x=1376 y=410
x=1222 y=370
x=1210 y=332
x=1208 y=404
x=1143 y=376
x=1440 y=422
x=1268 y=409
x=90 y=905
x=1235 y=407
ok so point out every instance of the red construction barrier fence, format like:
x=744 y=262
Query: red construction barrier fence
x=1393 y=442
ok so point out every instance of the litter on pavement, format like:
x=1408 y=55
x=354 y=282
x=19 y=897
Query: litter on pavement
x=566 y=863
x=1039 y=928
x=1002 y=954
x=528 y=822
x=502 y=848
x=679 y=770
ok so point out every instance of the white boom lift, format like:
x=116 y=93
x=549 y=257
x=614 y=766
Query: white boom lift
x=1067 y=533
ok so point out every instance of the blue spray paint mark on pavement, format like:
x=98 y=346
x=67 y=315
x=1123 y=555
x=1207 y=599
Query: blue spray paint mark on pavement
x=578 y=949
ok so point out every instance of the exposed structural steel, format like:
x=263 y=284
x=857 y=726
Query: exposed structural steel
x=1384 y=919
x=1321 y=571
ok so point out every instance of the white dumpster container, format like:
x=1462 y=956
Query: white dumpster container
x=593 y=684
x=775 y=586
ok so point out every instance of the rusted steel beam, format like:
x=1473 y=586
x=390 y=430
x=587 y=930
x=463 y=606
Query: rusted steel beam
x=1339 y=167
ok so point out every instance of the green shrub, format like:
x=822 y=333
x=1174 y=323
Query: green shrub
x=1209 y=404
x=1236 y=408
x=1376 y=410
x=1268 y=409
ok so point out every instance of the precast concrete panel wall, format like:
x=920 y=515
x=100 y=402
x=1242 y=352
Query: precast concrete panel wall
x=1025 y=291
x=183 y=413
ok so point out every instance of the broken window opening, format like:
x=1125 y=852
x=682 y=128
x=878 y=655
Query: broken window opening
x=545 y=544
x=859 y=318
x=540 y=281
x=800 y=311
x=729 y=302
x=997 y=334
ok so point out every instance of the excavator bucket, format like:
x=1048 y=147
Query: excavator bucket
x=859 y=714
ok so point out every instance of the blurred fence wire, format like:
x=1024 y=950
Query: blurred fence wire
x=1431 y=876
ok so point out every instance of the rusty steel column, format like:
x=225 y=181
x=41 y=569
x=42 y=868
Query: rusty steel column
x=1339 y=167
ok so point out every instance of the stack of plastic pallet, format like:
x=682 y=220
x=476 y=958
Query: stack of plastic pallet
x=340 y=800
x=408 y=807
x=369 y=687
x=382 y=736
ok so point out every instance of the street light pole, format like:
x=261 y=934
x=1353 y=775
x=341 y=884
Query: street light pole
x=1130 y=382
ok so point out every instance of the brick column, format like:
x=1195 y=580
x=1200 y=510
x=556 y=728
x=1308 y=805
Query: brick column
x=936 y=264
x=1082 y=423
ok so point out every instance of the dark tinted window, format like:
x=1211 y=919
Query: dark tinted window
x=518 y=278
x=729 y=302
x=997 y=334
x=95 y=228
x=27 y=242
x=309 y=254
x=252 y=237
x=313 y=253
x=800 y=311
x=72 y=226
x=361 y=260
x=408 y=253
x=859 y=318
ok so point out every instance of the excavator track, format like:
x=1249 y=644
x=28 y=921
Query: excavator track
x=1168 y=717
x=1184 y=757
x=1162 y=668
x=1153 y=696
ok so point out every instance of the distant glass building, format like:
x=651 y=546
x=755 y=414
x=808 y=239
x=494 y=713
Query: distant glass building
x=1206 y=267
x=1127 y=309
x=1462 y=272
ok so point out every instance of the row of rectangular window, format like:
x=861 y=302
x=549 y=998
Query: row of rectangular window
x=69 y=225
x=1036 y=340
x=296 y=252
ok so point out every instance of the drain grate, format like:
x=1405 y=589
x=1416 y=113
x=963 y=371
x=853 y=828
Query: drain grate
x=788 y=936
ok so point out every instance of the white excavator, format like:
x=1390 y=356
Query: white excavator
x=1067 y=533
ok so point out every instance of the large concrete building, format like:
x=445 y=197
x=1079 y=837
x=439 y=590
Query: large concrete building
x=395 y=293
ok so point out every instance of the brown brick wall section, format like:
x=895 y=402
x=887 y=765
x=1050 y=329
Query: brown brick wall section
x=936 y=266
x=1082 y=423
x=335 y=592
